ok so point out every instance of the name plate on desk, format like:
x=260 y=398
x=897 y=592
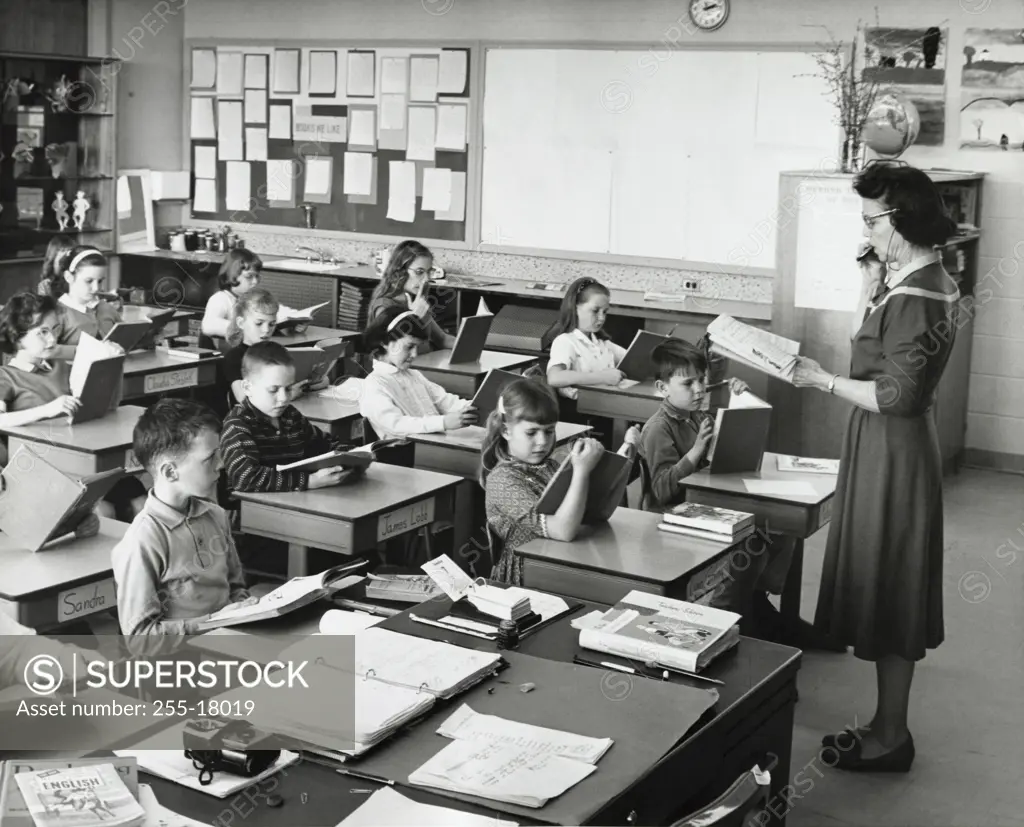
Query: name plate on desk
x=86 y=600
x=405 y=519
x=131 y=462
x=171 y=380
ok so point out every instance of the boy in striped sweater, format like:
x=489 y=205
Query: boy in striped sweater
x=265 y=430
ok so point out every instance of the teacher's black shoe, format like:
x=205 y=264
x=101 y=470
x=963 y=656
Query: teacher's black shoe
x=898 y=759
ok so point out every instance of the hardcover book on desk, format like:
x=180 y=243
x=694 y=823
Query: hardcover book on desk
x=96 y=375
x=139 y=334
x=485 y=399
x=314 y=363
x=469 y=344
x=636 y=364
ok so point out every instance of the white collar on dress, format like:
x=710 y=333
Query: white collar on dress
x=897 y=276
x=28 y=367
x=386 y=368
x=589 y=338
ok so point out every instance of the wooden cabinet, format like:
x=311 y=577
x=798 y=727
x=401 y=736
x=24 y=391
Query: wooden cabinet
x=810 y=423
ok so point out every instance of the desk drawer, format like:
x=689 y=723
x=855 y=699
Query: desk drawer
x=294 y=527
x=584 y=585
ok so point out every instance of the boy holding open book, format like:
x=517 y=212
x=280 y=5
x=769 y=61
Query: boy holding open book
x=674 y=442
x=177 y=562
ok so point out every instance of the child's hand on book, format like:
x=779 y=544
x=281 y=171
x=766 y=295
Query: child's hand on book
x=459 y=419
x=326 y=477
x=700 y=445
x=89 y=527
x=738 y=386
x=63 y=406
x=586 y=453
x=611 y=376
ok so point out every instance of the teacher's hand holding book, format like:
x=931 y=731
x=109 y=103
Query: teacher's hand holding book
x=809 y=374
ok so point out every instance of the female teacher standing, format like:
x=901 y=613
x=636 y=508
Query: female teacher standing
x=881 y=589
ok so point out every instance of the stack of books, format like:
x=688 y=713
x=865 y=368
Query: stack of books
x=662 y=632
x=353 y=306
x=707 y=522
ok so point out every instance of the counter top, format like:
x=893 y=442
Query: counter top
x=629 y=302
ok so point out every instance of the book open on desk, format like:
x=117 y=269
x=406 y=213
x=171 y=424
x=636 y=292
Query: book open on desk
x=188 y=353
x=29 y=480
x=636 y=364
x=314 y=363
x=740 y=435
x=470 y=341
x=288 y=317
x=356 y=458
x=671 y=633
x=608 y=482
x=296 y=593
x=95 y=378
x=139 y=333
x=766 y=352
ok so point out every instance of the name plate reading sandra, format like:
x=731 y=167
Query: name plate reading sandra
x=86 y=600
x=405 y=519
x=171 y=380
x=131 y=463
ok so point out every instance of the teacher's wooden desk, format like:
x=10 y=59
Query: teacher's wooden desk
x=622 y=405
x=147 y=373
x=607 y=561
x=464 y=378
x=81 y=449
x=349 y=519
x=67 y=580
x=794 y=513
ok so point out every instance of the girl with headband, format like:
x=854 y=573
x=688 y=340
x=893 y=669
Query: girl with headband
x=77 y=283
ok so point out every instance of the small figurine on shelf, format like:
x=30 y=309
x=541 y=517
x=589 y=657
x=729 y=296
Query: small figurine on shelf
x=14 y=90
x=82 y=206
x=23 y=159
x=60 y=209
x=58 y=95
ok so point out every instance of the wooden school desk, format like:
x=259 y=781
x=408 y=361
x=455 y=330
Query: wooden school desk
x=311 y=335
x=795 y=515
x=83 y=449
x=151 y=372
x=622 y=405
x=751 y=723
x=349 y=519
x=464 y=378
x=67 y=580
x=607 y=561
x=335 y=417
x=176 y=327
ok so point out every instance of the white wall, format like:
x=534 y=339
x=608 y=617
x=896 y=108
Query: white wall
x=151 y=109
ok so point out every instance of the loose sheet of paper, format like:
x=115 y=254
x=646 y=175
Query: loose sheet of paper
x=237 y=185
x=437 y=188
x=829 y=231
x=281 y=180
x=402 y=191
x=323 y=72
x=281 y=122
x=286 y=71
x=444 y=571
x=394 y=75
x=318 y=176
x=388 y=808
x=205 y=199
x=255 y=143
x=341 y=622
x=229 y=131
x=204 y=69
x=451 y=127
x=451 y=77
x=420 y=143
x=229 y=73
x=256 y=71
x=358 y=173
x=205 y=163
x=362 y=127
x=423 y=78
x=457 y=212
x=255 y=105
x=123 y=197
x=202 y=122
x=392 y=111
x=361 y=74
x=780 y=488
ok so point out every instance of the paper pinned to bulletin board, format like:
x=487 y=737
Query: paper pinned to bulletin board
x=829 y=232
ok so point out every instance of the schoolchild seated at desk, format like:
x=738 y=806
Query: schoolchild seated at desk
x=674 y=443
x=55 y=250
x=35 y=385
x=516 y=464
x=239 y=273
x=265 y=430
x=404 y=286
x=81 y=273
x=581 y=352
x=177 y=562
x=398 y=400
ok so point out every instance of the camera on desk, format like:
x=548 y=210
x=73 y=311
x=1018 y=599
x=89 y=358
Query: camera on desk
x=234 y=747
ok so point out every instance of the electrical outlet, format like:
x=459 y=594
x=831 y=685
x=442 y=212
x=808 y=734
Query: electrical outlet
x=691 y=286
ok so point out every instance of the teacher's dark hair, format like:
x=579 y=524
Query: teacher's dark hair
x=920 y=215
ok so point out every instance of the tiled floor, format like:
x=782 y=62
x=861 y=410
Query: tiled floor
x=967 y=707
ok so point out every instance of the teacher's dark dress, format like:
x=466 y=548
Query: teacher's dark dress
x=881 y=589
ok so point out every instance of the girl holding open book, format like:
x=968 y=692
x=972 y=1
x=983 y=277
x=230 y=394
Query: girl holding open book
x=35 y=384
x=76 y=285
x=516 y=466
x=881 y=588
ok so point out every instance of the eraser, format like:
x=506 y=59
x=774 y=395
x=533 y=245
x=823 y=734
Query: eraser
x=527 y=687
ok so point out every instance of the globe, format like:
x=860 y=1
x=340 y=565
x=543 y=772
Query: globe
x=892 y=125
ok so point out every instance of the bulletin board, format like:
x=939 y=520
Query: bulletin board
x=375 y=140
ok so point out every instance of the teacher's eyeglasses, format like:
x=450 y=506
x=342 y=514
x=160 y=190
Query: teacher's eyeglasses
x=869 y=220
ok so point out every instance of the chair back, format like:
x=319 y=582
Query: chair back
x=742 y=805
x=638 y=491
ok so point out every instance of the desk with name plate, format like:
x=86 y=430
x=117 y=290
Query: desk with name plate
x=752 y=722
x=352 y=518
x=464 y=378
x=311 y=334
x=84 y=448
x=153 y=372
x=607 y=561
x=622 y=405
x=338 y=418
x=795 y=504
x=67 y=580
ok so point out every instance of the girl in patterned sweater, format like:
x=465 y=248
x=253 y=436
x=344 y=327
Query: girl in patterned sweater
x=517 y=465
x=397 y=400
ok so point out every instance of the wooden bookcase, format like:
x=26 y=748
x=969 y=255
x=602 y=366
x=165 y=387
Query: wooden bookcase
x=55 y=107
x=810 y=423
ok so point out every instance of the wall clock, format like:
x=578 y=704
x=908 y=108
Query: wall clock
x=709 y=14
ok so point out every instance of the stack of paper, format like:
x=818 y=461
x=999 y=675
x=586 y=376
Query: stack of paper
x=404 y=588
x=785 y=462
x=761 y=350
x=387 y=808
x=503 y=604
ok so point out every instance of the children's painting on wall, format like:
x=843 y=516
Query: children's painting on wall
x=912 y=61
x=992 y=99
